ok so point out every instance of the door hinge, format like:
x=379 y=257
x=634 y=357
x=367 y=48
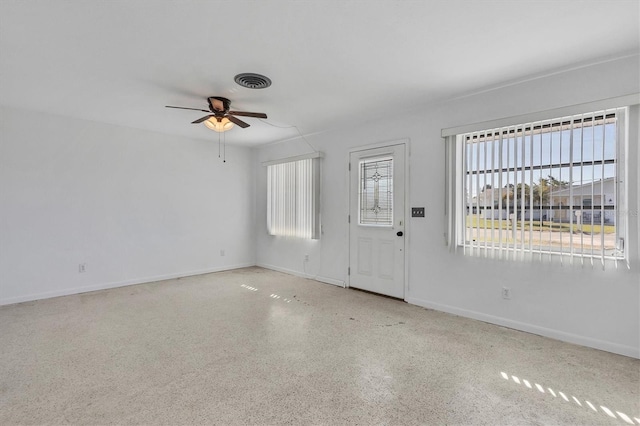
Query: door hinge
x=348 y=218
x=349 y=270
x=349 y=166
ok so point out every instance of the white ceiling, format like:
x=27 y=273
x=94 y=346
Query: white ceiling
x=332 y=63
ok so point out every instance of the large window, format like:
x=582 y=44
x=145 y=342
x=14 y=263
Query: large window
x=293 y=189
x=545 y=188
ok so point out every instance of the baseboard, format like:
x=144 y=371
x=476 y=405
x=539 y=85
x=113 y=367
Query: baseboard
x=625 y=350
x=105 y=286
x=330 y=281
x=326 y=280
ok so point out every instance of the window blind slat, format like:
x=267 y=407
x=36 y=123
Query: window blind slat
x=571 y=200
x=602 y=198
x=476 y=238
x=467 y=200
x=500 y=203
x=593 y=175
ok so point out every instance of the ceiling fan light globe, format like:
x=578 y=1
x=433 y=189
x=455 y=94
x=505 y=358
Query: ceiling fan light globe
x=218 y=126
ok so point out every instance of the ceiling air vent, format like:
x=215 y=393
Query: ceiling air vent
x=252 y=81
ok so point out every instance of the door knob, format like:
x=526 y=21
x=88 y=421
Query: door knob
x=399 y=234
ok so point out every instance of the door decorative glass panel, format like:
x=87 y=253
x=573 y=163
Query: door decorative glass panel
x=376 y=192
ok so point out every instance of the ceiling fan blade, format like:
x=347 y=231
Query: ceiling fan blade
x=200 y=120
x=249 y=114
x=237 y=121
x=193 y=109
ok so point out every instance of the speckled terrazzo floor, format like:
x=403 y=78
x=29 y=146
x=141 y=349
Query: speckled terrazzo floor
x=253 y=346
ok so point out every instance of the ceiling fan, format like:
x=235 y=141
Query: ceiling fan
x=220 y=118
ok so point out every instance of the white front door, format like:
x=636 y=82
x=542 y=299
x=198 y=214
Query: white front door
x=376 y=220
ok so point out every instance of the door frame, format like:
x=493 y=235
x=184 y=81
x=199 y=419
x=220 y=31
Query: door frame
x=407 y=235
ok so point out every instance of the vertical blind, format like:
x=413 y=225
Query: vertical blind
x=543 y=188
x=293 y=198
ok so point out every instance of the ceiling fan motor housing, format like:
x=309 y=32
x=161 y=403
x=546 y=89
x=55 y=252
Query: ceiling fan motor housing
x=214 y=104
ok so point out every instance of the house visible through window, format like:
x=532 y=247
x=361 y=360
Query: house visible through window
x=293 y=189
x=547 y=187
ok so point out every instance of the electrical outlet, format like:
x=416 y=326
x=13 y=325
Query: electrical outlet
x=306 y=257
x=221 y=252
x=506 y=293
x=82 y=267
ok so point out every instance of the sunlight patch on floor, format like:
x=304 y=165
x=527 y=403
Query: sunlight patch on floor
x=604 y=410
x=248 y=287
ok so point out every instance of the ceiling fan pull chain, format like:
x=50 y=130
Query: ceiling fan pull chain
x=224 y=147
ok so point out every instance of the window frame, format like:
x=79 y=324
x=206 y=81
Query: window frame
x=455 y=202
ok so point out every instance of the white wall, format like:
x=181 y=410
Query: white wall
x=584 y=305
x=134 y=206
